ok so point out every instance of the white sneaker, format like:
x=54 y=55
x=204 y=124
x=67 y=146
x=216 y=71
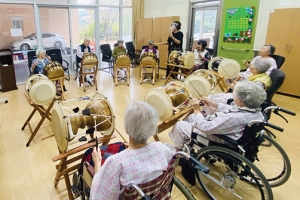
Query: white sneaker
x=145 y=79
x=164 y=77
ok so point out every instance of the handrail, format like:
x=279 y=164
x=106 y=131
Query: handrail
x=235 y=49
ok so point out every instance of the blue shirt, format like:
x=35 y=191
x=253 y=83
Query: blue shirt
x=40 y=66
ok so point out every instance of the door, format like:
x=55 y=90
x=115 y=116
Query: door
x=203 y=23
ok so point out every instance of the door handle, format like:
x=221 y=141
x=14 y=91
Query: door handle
x=290 y=47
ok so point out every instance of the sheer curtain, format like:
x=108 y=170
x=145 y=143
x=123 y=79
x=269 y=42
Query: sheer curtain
x=137 y=13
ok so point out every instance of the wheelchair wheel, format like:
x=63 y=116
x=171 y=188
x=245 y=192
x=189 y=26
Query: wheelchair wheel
x=273 y=162
x=178 y=185
x=231 y=175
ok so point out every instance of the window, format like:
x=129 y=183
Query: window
x=17 y=23
x=109 y=24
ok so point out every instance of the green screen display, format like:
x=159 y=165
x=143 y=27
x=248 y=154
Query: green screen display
x=239 y=25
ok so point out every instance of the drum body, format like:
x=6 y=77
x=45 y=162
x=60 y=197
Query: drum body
x=201 y=82
x=53 y=70
x=165 y=99
x=89 y=60
x=187 y=59
x=40 y=89
x=149 y=58
x=228 y=68
x=60 y=116
x=122 y=59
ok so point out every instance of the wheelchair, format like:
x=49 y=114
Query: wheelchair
x=76 y=66
x=240 y=169
x=160 y=188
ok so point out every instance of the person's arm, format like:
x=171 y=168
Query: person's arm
x=79 y=52
x=157 y=53
x=96 y=155
x=178 y=39
x=106 y=182
x=114 y=53
x=34 y=64
x=143 y=51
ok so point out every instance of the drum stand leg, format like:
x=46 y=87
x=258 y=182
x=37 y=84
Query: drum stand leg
x=45 y=114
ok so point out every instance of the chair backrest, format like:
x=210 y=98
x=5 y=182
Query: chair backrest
x=159 y=188
x=277 y=76
x=55 y=55
x=31 y=55
x=279 y=60
x=130 y=49
x=145 y=46
x=210 y=50
x=115 y=44
x=106 y=51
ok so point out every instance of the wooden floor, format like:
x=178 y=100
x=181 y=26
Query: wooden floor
x=28 y=172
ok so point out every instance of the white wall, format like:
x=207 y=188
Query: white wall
x=163 y=8
x=265 y=8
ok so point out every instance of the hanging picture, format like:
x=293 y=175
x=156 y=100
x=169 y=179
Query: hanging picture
x=239 y=25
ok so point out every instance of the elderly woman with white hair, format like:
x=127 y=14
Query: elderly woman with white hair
x=150 y=49
x=265 y=52
x=227 y=120
x=140 y=163
x=40 y=62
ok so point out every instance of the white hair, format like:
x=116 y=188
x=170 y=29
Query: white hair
x=251 y=93
x=38 y=51
x=261 y=64
x=140 y=121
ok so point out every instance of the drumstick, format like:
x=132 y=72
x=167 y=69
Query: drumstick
x=194 y=88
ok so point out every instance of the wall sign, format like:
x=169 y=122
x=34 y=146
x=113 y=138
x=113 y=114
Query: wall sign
x=239 y=25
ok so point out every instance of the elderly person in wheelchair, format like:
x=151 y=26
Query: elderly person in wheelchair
x=140 y=163
x=227 y=120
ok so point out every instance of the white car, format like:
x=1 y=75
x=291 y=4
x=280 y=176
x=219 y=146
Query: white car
x=50 y=40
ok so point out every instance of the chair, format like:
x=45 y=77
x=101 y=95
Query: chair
x=115 y=45
x=277 y=76
x=159 y=188
x=155 y=69
x=133 y=53
x=279 y=60
x=55 y=55
x=31 y=55
x=211 y=51
x=106 y=57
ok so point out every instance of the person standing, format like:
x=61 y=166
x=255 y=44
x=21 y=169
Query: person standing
x=174 y=42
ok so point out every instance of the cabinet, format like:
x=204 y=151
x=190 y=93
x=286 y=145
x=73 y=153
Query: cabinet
x=157 y=29
x=283 y=33
x=7 y=71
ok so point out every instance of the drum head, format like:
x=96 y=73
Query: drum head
x=229 y=68
x=59 y=127
x=122 y=59
x=161 y=102
x=198 y=85
x=103 y=108
x=41 y=90
x=189 y=60
x=209 y=75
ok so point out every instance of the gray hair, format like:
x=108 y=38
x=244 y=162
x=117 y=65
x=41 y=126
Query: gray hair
x=261 y=64
x=38 y=51
x=251 y=93
x=150 y=41
x=120 y=41
x=140 y=121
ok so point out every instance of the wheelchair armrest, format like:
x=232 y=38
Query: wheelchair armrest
x=90 y=169
x=66 y=63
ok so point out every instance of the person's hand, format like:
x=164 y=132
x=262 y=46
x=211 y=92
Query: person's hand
x=171 y=35
x=97 y=158
x=200 y=56
x=209 y=102
x=196 y=106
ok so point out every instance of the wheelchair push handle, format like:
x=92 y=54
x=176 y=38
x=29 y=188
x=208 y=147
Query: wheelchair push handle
x=274 y=126
x=287 y=111
x=276 y=108
x=195 y=163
